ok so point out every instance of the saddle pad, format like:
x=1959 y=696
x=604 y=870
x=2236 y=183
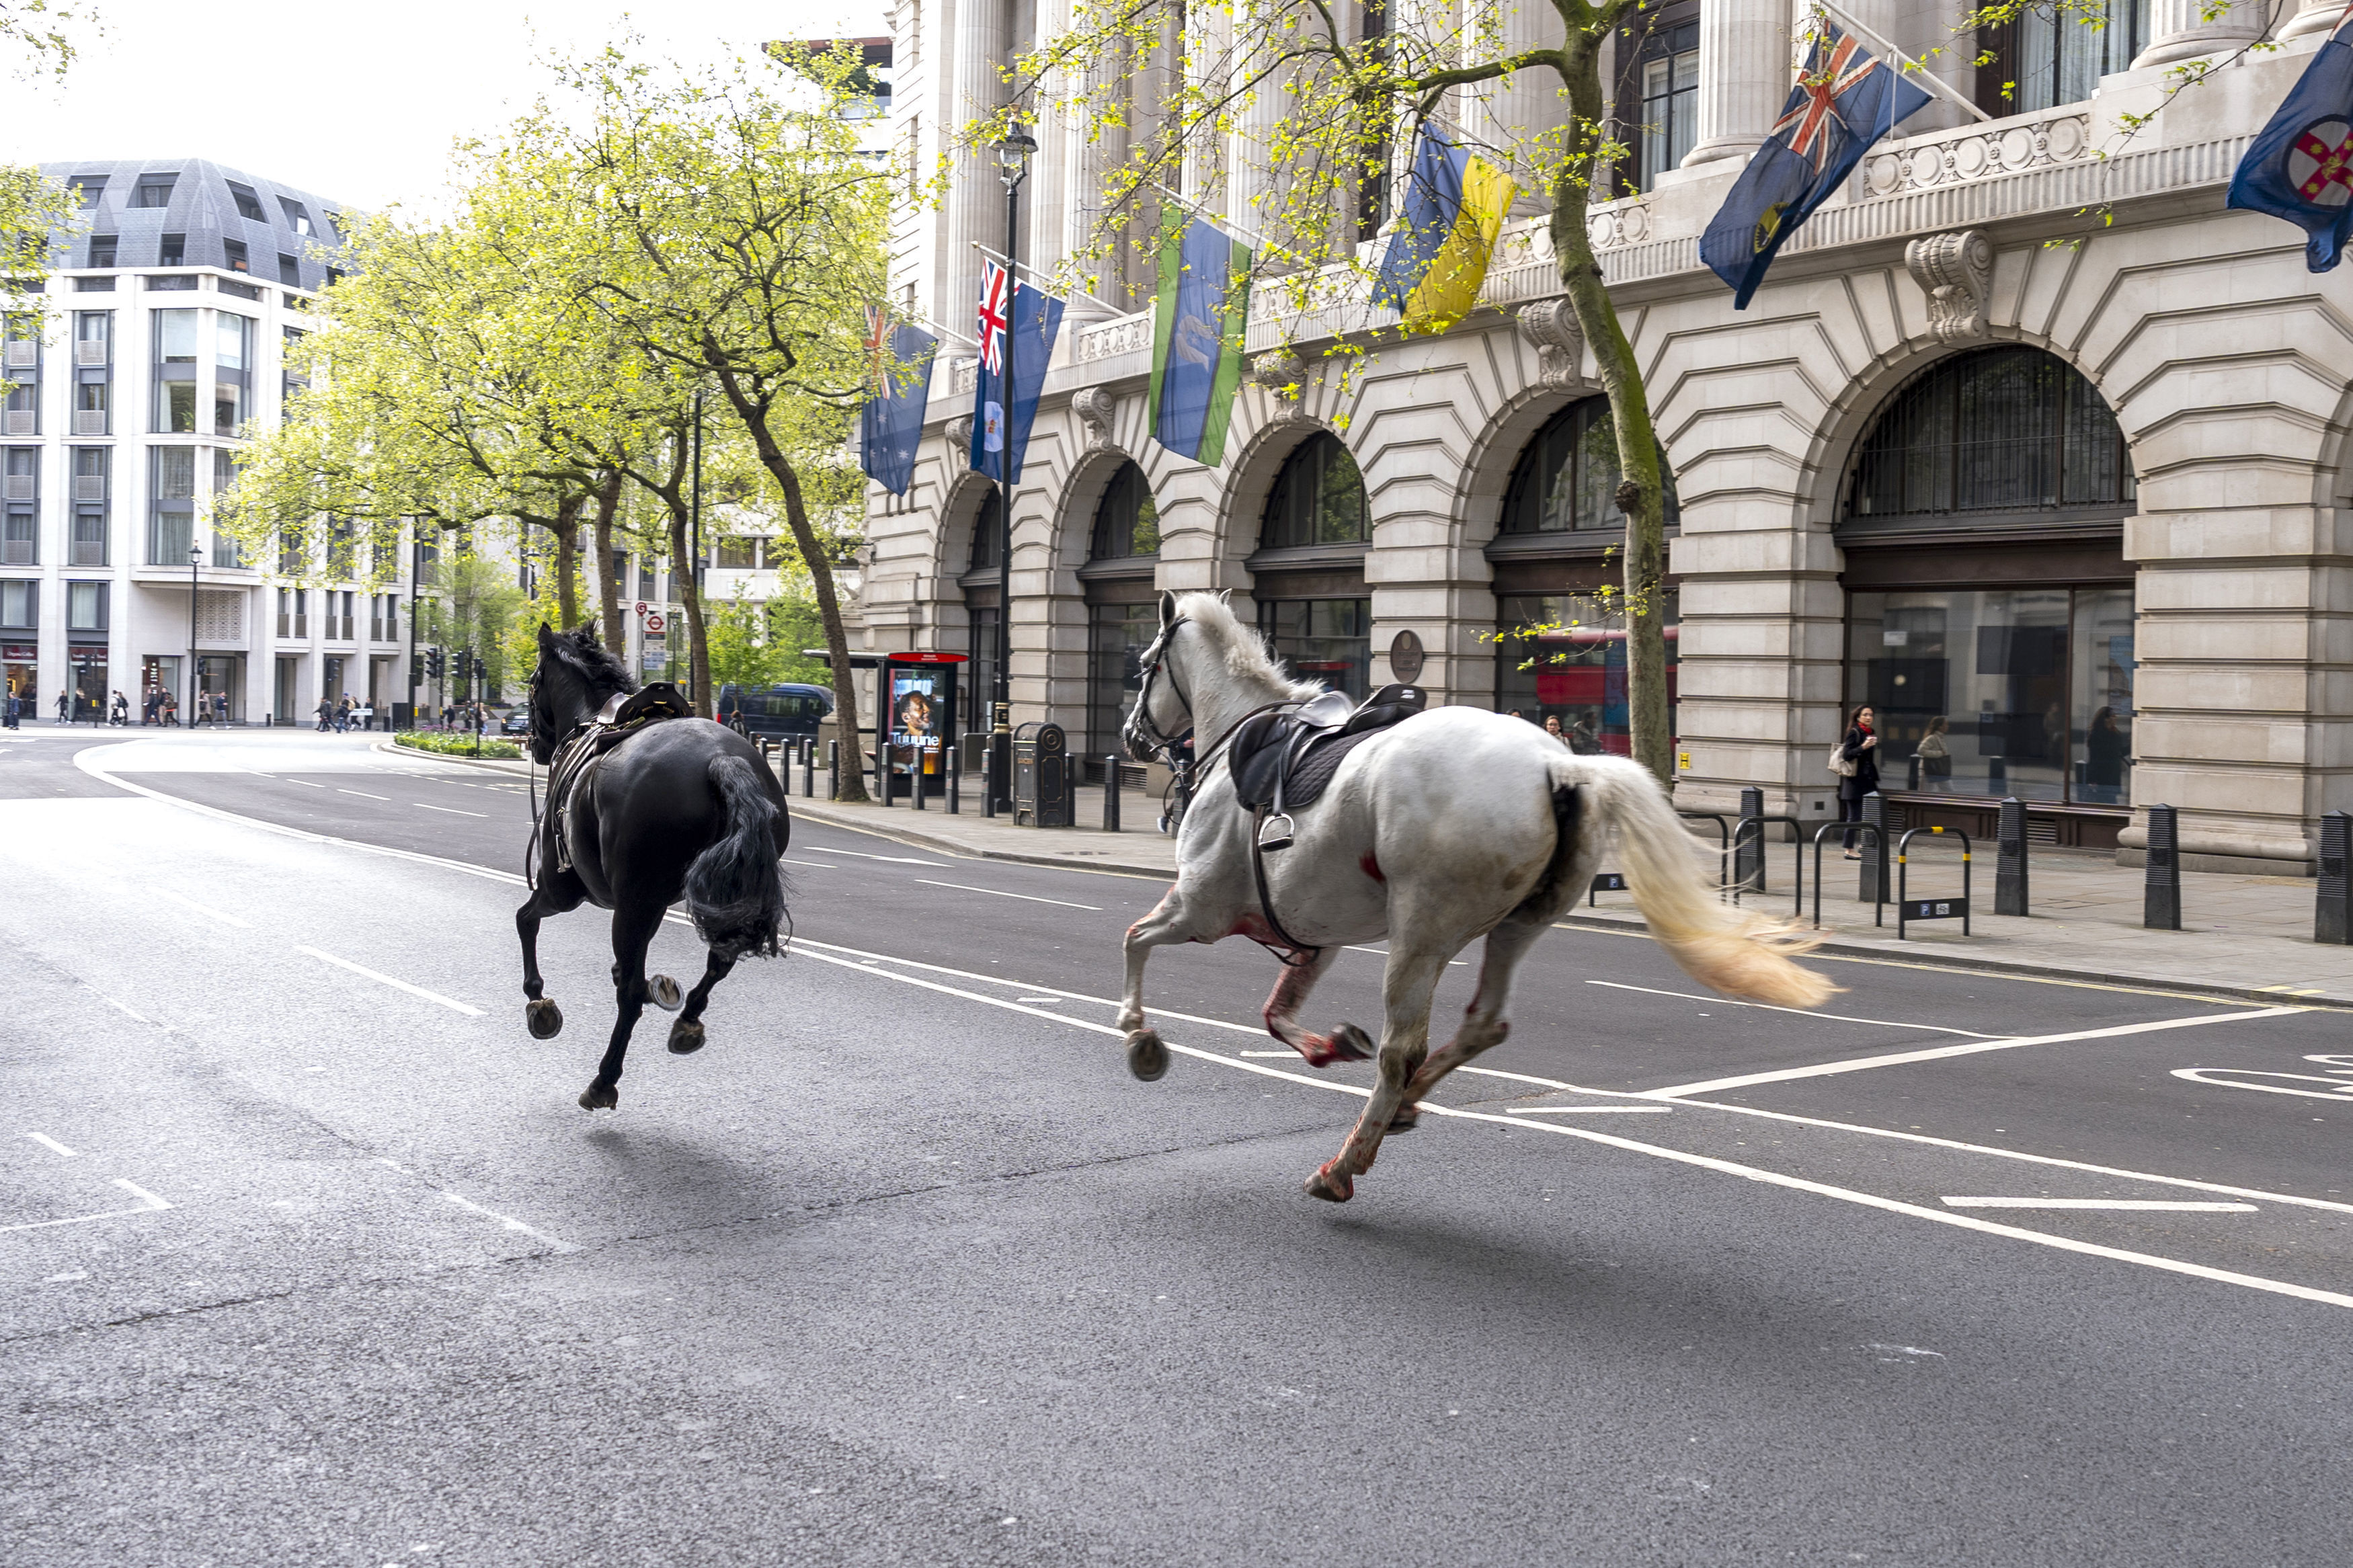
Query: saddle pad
x=1315 y=769
x=1257 y=770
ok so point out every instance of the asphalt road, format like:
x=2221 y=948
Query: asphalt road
x=308 y=1257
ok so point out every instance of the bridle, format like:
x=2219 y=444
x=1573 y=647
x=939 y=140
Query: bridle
x=1156 y=665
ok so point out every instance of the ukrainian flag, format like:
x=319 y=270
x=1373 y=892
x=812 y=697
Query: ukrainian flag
x=1452 y=211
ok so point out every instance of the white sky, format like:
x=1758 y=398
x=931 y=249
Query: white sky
x=355 y=102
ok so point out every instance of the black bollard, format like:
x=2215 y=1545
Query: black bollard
x=1876 y=858
x=833 y=770
x=808 y=769
x=1110 y=792
x=2161 y=900
x=1749 y=847
x=1912 y=775
x=2010 y=860
x=2332 y=919
x=919 y=782
x=955 y=801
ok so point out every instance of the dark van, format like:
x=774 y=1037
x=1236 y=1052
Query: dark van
x=775 y=713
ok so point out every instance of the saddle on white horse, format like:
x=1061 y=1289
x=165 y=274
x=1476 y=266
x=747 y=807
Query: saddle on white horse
x=1284 y=757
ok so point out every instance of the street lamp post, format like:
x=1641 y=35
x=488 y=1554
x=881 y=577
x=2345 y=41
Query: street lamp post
x=1013 y=166
x=196 y=558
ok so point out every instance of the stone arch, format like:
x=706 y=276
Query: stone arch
x=1074 y=508
x=1242 y=504
x=960 y=508
x=1485 y=474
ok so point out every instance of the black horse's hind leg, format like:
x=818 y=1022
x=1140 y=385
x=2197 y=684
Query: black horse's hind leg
x=633 y=932
x=686 y=1034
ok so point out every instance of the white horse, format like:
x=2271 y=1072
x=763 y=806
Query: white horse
x=1453 y=825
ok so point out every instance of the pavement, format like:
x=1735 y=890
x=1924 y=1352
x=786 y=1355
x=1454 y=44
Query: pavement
x=308 y=1257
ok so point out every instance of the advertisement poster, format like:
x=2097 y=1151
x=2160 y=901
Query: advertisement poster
x=915 y=737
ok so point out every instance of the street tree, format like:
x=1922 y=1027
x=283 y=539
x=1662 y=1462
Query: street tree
x=725 y=225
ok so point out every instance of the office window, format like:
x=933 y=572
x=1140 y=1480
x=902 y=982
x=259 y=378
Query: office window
x=739 y=553
x=248 y=204
x=227 y=551
x=153 y=191
x=1127 y=521
x=88 y=189
x=1665 y=85
x=20 y=474
x=290 y=270
x=333 y=277
x=102 y=249
x=173 y=252
x=171 y=524
x=86 y=606
x=645 y=578
x=92 y=473
x=1318 y=498
x=175 y=373
x=21 y=336
x=20 y=533
x=233 y=250
x=94 y=337
x=232 y=377
x=93 y=404
x=293 y=612
x=298 y=216
x=20 y=486
x=88 y=546
x=293 y=553
x=22 y=416
x=93 y=285
x=20 y=606
x=1566 y=477
x=342 y=549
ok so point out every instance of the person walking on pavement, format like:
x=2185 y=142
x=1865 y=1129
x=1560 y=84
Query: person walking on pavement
x=326 y=714
x=8 y=709
x=1860 y=776
x=65 y=708
x=122 y=710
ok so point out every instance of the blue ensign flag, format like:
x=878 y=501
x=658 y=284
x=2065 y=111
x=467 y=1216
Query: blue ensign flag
x=2300 y=165
x=891 y=426
x=1845 y=100
x=1017 y=338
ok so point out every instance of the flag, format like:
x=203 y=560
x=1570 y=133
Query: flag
x=1196 y=338
x=899 y=390
x=2300 y=165
x=1452 y=209
x=1016 y=329
x=1845 y=100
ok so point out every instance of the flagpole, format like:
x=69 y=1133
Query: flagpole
x=1257 y=240
x=1934 y=86
x=1040 y=277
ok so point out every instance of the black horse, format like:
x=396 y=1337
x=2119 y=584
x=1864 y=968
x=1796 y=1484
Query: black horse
x=679 y=808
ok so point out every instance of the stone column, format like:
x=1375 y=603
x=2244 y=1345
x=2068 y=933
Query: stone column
x=2177 y=32
x=975 y=200
x=2317 y=16
x=1744 y=75
x=1525 y=110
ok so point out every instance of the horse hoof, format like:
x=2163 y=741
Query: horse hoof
x=544 y=1018
x=685 y=1038
x=1147 y=1058
x=1333 y=1186
x=1350 y=1044
x=600 y=1097
x=664 y=994
x=1408 y=1118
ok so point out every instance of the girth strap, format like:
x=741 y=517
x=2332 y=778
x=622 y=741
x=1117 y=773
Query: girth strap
x=1300 y=954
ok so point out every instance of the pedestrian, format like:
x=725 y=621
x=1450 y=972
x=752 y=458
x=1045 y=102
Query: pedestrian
x=65 y=708
x=367 y=717
x=171 y=712
x=326 y=715
x=1860 y=775
x=148 y=702
x=1935 y=749
x=122 y=710
x=1552 y=728
x=8 y=709
x=2107 y=748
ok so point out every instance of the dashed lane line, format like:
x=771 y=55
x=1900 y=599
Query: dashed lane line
x=45 y=1141
x=449 y=810
x=1801 y=1011
x=999 y=892
x=2137 y=1205
x=148 y=1204
x=204 y=909
x=454 y=1005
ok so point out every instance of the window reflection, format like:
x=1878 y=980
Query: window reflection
x=1560 y=661
x=1328 y=640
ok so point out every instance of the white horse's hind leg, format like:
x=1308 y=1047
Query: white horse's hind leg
x=1484 y=1025
x=1147 y=1057
x=1406 y=987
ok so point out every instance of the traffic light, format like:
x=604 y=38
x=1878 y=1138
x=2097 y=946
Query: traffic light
x=415 y=669
x=466 y=666
x=434 y=664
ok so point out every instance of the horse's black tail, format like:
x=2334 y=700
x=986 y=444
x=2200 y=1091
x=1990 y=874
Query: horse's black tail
x=1554 y=895
x=734 y=889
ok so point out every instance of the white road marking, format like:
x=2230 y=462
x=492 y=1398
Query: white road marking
x=128 y=1013
x=1384 y=953
x=2170 y=1205
x=149 y=1203
x=202 y=909
x=1801 y=1011
x=893 y=859
x=2340 y=1086
x=1679 y=1156
x=1579 y=1110
x=818 y=865
x=960 y=888
x=1293 y=1054
x=361 y=792
x=1037 y=998
x=1937 y=1053
x=306 y=784
x=395 y=985
x=45 y=1141
x=452 y=810
x=511 y=1222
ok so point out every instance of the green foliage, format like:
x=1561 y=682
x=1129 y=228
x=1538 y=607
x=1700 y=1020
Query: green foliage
x=478 y=607
x=456 y=745
x=756 y=642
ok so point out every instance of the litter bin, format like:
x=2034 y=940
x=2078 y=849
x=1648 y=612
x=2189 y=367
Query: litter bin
x=1041 y=777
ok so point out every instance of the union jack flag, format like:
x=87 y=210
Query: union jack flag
x=1812 y=112
x=996 y=303
x=878 y=335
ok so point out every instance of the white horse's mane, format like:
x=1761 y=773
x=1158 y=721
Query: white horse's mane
x=1245 y=651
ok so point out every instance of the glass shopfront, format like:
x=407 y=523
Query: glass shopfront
x=1330 y=640
x=1560 y=661
x=1994 y=692
x=1122 y=609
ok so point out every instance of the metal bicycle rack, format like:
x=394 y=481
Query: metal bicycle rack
x=1879 y=841
x=1797 y=858
x=1908 y=909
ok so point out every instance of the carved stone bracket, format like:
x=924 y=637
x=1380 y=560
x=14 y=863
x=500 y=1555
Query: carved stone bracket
x=959 y=433
x=1282 y=373
x=1957 y=271
x=1551 y=325
x=1096 y=408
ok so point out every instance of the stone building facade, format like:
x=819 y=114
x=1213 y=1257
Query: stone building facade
x=2027 y=441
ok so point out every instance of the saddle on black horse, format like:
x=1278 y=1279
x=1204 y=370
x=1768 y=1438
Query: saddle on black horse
x=623 y=715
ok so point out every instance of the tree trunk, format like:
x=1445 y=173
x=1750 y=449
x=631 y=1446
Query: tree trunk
x=690 y=595
x=566 y=528
x=608 y=592
x=820 y=571
x=1642 y=495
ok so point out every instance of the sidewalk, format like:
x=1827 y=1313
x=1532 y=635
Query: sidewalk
x=2246 y=937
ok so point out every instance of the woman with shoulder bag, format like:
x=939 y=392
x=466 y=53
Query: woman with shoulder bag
x=1857 y=764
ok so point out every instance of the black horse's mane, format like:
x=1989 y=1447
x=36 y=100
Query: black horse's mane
x=599 y=671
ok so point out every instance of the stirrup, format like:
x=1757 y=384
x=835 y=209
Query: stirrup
x=1274 y=833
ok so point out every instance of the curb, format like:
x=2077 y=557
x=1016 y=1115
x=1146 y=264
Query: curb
x=497 y=764
x=814 y=811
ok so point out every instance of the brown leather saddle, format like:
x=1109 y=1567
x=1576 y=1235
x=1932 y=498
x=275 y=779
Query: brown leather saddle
x=623 y=714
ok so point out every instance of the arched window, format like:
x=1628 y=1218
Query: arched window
x=1319 y=497
x=988 y=533
x=1567 y=478
x=1127 y=524
x=1995 y=431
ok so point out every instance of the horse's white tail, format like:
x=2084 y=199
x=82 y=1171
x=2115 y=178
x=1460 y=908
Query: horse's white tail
x=1718 y=944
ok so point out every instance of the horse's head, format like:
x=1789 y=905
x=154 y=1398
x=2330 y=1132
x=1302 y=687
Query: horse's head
x=1163 y=714
x=573 y=679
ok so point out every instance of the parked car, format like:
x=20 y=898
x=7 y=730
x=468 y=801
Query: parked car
x=517 y=722
x=789 y=712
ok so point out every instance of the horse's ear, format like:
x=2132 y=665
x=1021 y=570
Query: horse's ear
x=1167 y=609
x=546 y=635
